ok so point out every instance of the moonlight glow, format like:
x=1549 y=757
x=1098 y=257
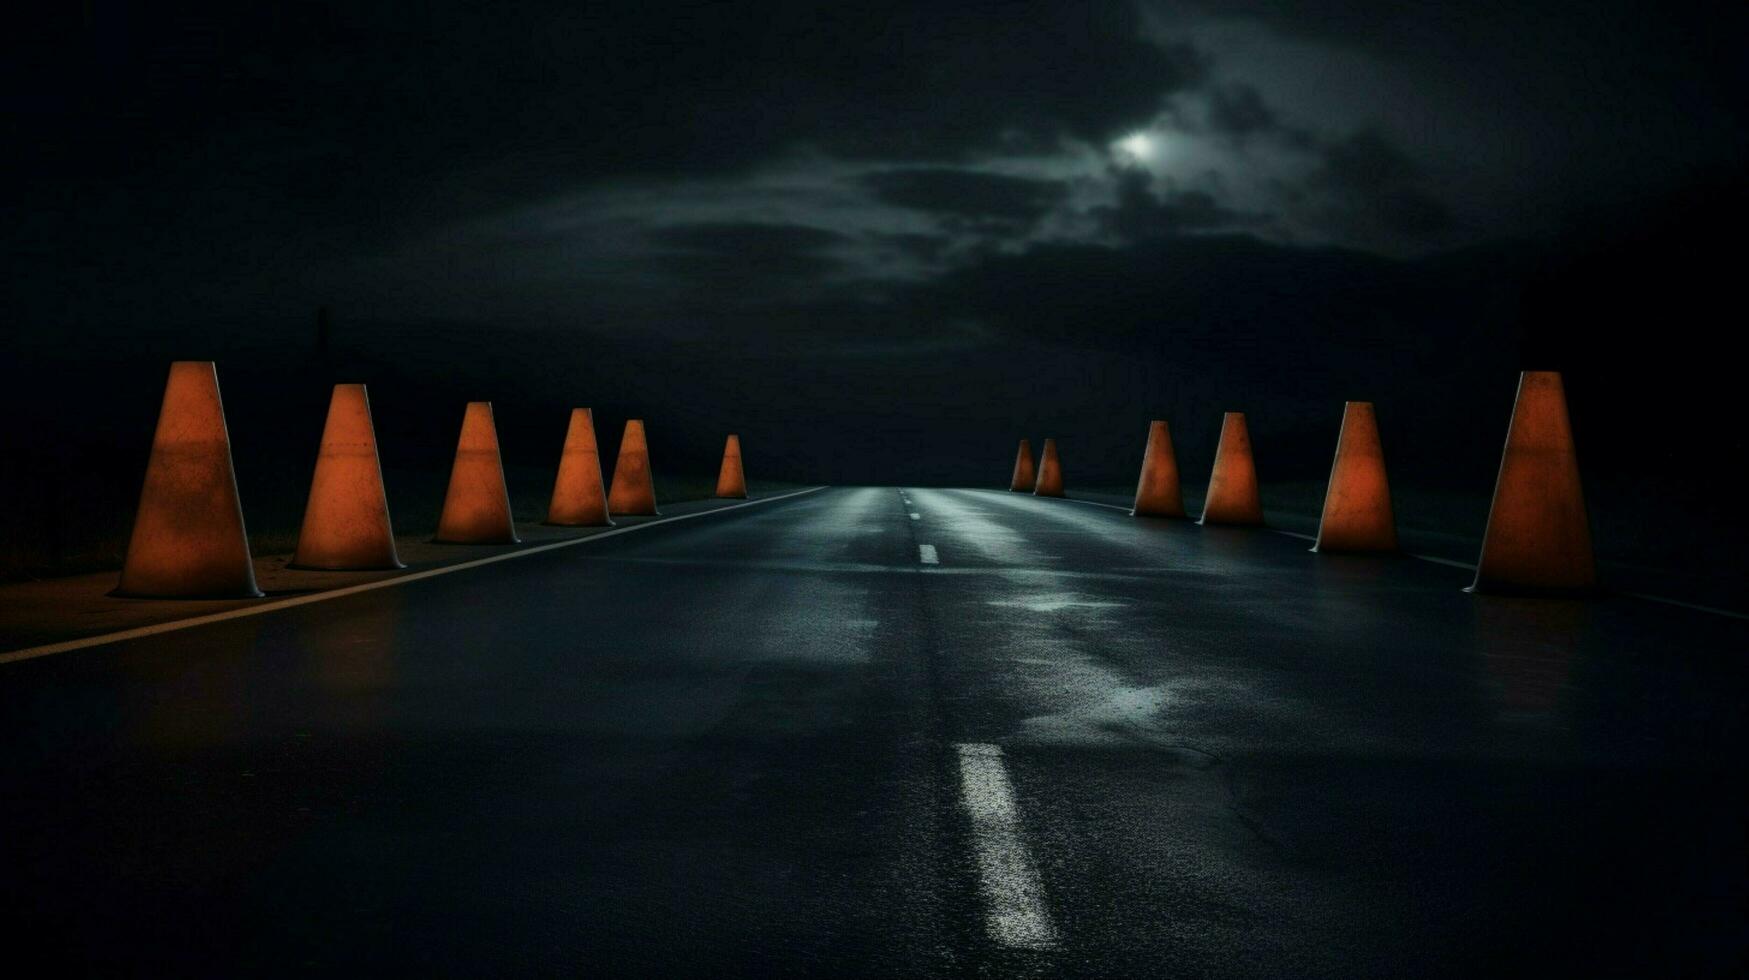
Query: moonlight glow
x=1138 y=147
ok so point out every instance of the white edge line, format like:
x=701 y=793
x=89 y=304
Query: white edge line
x=1453 y=563
x=67 y=646
x=1697 y=607
x=1078 y=500
x=1015 y=912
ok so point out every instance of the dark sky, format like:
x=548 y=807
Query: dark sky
x=939 y=225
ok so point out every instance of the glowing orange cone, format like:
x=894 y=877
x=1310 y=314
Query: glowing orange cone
x=1050 y=472
x=1232 y=496
x=1538 y=538
x=579 y=499
x=188 y=539
x=634 y=491
x=1025 y=475
x=1157 y=492
x=476 y=510
x=731 y=482
x=1357 y=504
x=346 y=521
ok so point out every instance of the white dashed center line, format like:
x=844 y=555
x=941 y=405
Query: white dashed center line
x=916 y=516
x=1014 y=899
x=926 y=554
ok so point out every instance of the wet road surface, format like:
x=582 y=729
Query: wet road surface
x=903 y=732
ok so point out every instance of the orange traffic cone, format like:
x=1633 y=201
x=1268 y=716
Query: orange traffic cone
x=476 y=510
x=1025 y=475
x=731 y=482
x=1232 y=496
x=1357 y=504
x=1538 y=538
x=188 y=539
x=579 y=500
x=346 y=521
x=634 y=491
x=1050 y=472
x=1157 y=492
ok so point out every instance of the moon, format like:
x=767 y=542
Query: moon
x=1138 y=147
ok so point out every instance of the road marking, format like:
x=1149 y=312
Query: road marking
x=1452 y=563
x=1014 y=898
x=916 y=516
x=926 y=554
x=1697 y=607
x=1093 y=503
x=31 y=653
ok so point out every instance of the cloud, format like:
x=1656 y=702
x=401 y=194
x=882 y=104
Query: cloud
x=1375 y=187
x=741 y=262
x=586 y=91
x=921 y=247
x=334 y=134
x=1221 y=290
x=969 y=196
x=734 y=153
x=1140 y=213
x=746 y=238
x=1239 y=110
x=1367 y=163
x=934 y=81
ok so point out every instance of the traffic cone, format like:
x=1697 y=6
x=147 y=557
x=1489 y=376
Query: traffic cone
x=579 y=499
x=633 y=490
x=1357 y=504
x=731 y=482
x=346 y=521
x=1538 y=538
x=1050 y=472
x=1232 y=496
x=188 y=540
x=1025 y=474
x=1157 y=492
x=476 y=510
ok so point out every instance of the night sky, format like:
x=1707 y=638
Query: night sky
x=883 y=241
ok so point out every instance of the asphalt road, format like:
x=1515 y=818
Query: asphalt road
x=781 y=740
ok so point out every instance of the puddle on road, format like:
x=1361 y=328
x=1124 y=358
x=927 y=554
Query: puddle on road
x=992 y=540
x=1122 y=714
x=1050 y=602
x=1087 y=703
x=823 y=640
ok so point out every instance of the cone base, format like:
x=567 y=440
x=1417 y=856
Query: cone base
x=730 y=496
x=1230 y=521
x=513 y=539
x=576 y=523
x=348 y=567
